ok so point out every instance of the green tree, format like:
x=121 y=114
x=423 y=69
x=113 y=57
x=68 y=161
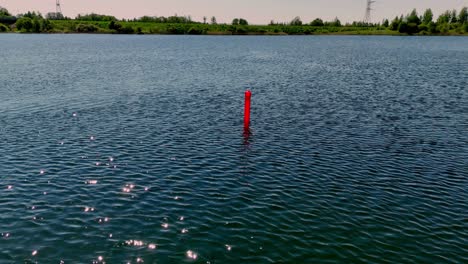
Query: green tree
x=6 y=17
x=296 y=21
x=235 y=21
x=317 y=22
x=116 y=26
x=413 y=18
x=385 y=23
x=453 y=17
x=335 y=23
x=403 y=27
x=86 y=28
x=36 y=27
x=463 y=16
x=432 y=27
x=444 y=18
x=46 y=25
x=33 y=15
x=213 y=20
x=243 y=22
x=395 y=24
x=427 y=17
x=24 y=24
x=4 y=12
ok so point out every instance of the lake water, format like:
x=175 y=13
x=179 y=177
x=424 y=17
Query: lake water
x=124 y=149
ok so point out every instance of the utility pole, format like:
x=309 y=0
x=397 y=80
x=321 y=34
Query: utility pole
x=58 y=9
x=367 y=17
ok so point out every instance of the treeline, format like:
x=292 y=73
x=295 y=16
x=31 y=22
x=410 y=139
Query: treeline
x=425 y=24
x=30 y=22
x=449 y=22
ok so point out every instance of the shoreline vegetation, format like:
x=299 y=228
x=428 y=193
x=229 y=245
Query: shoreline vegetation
x=449 y=23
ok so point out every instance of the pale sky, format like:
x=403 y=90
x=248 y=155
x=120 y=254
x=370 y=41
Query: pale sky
x=255 y=11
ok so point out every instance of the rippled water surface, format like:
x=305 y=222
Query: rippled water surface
x=131 y=149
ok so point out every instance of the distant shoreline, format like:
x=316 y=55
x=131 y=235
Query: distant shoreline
x=147 y=28
x=396 y=34
x=450 y=23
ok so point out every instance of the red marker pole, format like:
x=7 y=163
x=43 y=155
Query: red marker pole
x=248 y=94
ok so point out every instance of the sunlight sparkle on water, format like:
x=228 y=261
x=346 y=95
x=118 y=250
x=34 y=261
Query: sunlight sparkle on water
x=191 y=254
x=106 y=219
x=89 y=209
x=152 y=246
x=136 y=243
x=128 y=188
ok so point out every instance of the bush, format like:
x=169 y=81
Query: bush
x=194 y=31
x=86 y=28
x=3 y=28
x=443 y=28
x=127 y=30
x=9 y=20
x=317 y=23
x=432 y=27
x=413 y=28
x=115 y=26
x=241 y=30
x=46 y=25
x=24 y=24
x=175 y=29
x=423 y=27
x=36 y=26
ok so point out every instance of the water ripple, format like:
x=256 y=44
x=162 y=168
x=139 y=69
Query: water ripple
x=130 y=149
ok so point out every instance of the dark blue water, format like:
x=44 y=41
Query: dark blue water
x=124 y=149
